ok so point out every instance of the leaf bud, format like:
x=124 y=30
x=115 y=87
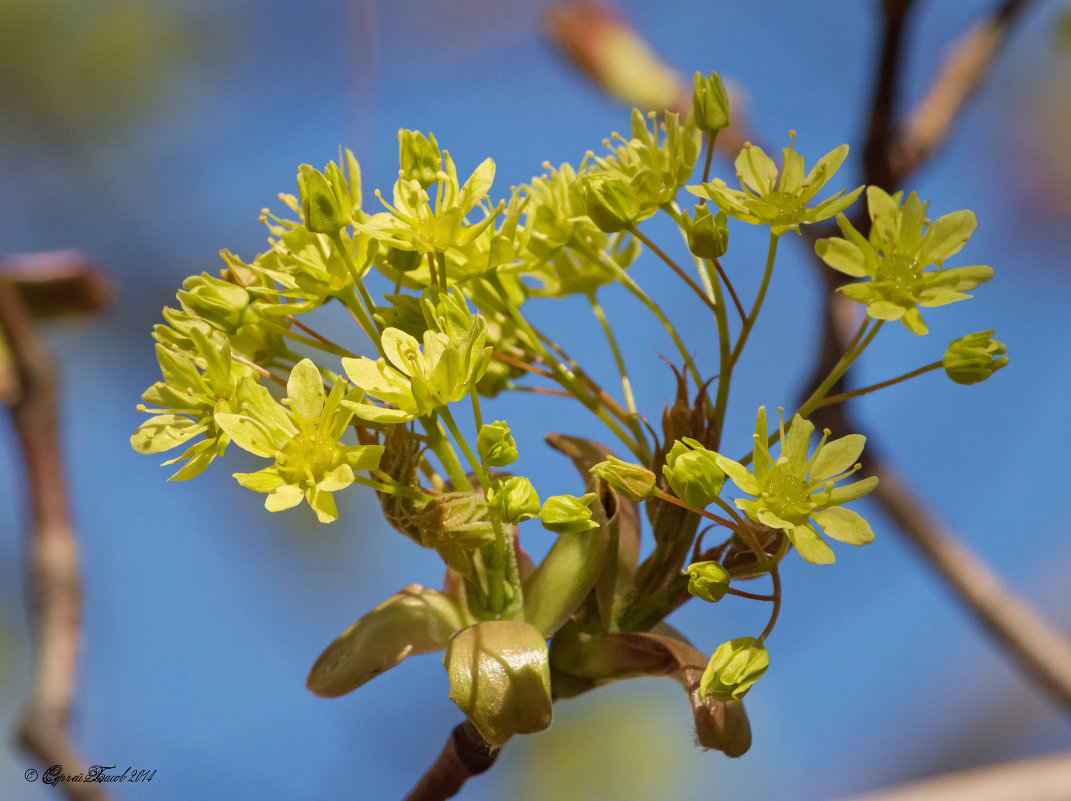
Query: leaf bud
x=322 y=205
x=500 y=678
x=707 y=580
x=710 y=103
x=513 y=499
x=567 y=514
x=973 y=358
x=733 y=668
x=628 y=480
x=692 y=473
x=611 y=204
x=496 y=445
x=708 y=237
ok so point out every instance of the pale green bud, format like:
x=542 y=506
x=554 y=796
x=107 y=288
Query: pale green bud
x=500 y=678
x=419 y=157
x=733 y=668
x=495 y=444
x=973 y=358
x=567 y=514
x=628 y=480
x=708 y=237
x=710 y=103
x=707 y=580
x=322 y=205
x=611 y=204
x=514 y=499
x=214 y=300
x=692 y=473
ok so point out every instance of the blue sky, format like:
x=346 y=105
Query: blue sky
x=204 y=612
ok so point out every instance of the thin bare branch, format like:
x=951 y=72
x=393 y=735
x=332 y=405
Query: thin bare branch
x=1043 y=652
x=53 y=577
x=960 y=76
x=1045 y=778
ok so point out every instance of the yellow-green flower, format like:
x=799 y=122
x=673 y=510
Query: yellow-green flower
x=781 y=203
x=302 y=438
x=417 y=381
x=794 y=492
x=895 y=258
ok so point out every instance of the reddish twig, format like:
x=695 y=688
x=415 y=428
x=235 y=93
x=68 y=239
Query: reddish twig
x=466 y=754
x=53 y=576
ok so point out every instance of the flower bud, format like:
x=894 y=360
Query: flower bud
x=707 y=580
x=733 y=668
x=419 y=157
x=628 y=480
x=708 y=237
x=513 y=499
x=973 y=358
x=692 y=473
x=567 y=514
x=322 y=205
x=611 y=204
x=495 y=444
x=710 y=103
x=500 y=678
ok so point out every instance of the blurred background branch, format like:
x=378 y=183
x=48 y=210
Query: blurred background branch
x=47 y=285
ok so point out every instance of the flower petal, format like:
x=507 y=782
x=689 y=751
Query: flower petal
x=796 y=441
x=740 y=475
x=850 y=492
x=305 y=389
x=286 y=497
x=837 y=456
x=810 y=545
x=845 y=525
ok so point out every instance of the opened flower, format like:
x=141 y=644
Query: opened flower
x=895 y=258
x=781 y=203
x=416 y=382
x=794 y=492
x=302 y=438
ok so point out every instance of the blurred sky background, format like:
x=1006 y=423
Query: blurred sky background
x=150 y=134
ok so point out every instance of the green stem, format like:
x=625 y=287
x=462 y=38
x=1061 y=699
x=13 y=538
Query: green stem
x=440 y=257
x=477 y=415
x=710 y=157
x=392 y=489
x=855 y=393
x=626 y=280
x=626 y=385
x=568 y=381
x=326 y=347
x=442 y=448
x=749 y=322
x=675 y=267
x=349 y=299
x=840 y=368
x=725 y=368
x=497 y=570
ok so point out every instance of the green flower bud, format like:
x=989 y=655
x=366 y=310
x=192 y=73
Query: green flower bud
x=708 y=237
x=631 y=481
x=710 y=103
x=567 y=514
x=973 y=358
x=692 y=473
x=707 y=580
x=419 y=157
x=733 y=668
x=495 y=444
x=514 y=499
x=214 y=300
x=500 y=678
x=404 y=261
x=611 y=204
x=323 y=205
